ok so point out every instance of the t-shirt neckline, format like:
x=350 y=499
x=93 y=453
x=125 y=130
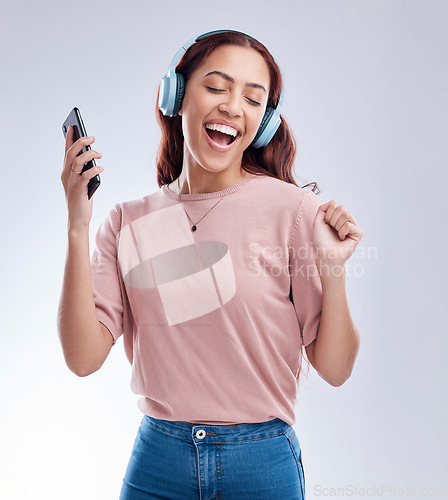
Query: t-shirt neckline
x=207 y=196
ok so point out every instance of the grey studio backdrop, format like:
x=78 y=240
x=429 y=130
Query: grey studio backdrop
x=366 y=97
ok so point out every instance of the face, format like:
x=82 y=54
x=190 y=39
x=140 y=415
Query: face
x=231 y=86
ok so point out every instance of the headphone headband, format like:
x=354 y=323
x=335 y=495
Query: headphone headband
x=172 y=90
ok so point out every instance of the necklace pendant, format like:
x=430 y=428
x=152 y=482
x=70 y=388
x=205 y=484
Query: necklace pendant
x=193 y=228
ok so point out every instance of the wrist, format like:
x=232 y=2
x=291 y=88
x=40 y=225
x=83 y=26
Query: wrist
x=331 y=271
x=76 y=232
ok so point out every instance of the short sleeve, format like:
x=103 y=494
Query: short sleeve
x=107 y=289
x=306 y=287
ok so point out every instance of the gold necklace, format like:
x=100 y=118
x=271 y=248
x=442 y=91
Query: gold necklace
x=193 y=227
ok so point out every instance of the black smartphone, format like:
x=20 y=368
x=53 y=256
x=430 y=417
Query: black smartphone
x=75 y=120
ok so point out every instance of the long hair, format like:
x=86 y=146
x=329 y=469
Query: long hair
x=275 y=160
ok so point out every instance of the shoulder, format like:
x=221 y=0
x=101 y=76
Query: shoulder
x=139 y=203
x=309 y=206
x=288 y=195
x=130 y=210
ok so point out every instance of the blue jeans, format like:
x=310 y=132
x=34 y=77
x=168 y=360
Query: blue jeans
x=181 y=460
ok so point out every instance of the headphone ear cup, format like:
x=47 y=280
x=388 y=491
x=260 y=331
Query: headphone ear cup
x=264 y=123
x=180 y=91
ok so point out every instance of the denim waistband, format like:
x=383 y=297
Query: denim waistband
x=226 y=433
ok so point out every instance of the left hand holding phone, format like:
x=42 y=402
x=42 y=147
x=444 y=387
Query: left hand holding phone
x=75 y=183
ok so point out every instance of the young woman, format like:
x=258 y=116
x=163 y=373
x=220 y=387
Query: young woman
x=216 y=281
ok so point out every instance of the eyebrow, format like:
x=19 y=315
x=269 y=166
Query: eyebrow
x=230 y=79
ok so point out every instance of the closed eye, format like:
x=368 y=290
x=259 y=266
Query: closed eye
x=254 y=103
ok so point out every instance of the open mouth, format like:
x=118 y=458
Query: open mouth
x=220 y=138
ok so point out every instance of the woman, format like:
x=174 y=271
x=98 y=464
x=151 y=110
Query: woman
x=216 y=281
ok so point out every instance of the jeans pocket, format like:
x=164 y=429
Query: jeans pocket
x=297 y=453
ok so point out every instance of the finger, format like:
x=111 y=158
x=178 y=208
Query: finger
x=330 y=211
x=75 y=148
x=68 y=138
x=320 y=214
x=90 y=174
x=346 y=218
x=79 y=181
x=325 y=206
x=82 y=142
x=350 y=229
x=339 y=217
x=344 y=230
x=81 y=160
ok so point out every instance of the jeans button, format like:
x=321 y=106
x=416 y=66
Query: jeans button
x=200 y=434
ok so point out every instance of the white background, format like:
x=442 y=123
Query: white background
x=366 y=97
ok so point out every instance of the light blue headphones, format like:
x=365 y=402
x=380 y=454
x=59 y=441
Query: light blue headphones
x=172 y=89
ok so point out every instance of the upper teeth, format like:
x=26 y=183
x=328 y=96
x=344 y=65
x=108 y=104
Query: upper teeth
x=222 y=128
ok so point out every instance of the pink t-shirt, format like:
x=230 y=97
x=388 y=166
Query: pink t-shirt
x=213 y=320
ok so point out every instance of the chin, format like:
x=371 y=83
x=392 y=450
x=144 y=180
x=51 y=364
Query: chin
x=213 y=164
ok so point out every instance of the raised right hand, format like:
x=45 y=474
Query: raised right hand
x=75 y=185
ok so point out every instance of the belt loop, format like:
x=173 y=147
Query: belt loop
x=289 y=432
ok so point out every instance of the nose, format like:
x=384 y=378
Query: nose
x=231 y=105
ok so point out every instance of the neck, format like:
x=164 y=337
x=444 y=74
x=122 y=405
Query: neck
x=206 y=182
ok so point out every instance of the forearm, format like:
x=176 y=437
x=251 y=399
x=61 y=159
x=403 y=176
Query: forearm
x=338 y=339
x=83 y=342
